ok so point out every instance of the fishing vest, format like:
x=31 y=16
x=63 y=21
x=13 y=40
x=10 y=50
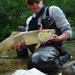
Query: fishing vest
x=47 y=23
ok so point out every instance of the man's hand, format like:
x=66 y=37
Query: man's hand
x=62 y=37
x=19 y=45
x=56 y=38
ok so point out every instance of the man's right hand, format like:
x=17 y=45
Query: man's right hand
x=19 y=45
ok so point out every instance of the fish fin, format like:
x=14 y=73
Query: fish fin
x=37 y=46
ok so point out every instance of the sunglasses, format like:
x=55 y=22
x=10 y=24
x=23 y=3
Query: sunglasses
x=31 y=2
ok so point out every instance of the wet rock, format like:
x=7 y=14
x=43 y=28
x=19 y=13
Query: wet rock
x=69 y=68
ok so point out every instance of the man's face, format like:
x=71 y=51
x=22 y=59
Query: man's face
x=35 y=7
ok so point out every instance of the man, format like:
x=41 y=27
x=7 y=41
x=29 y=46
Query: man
x=50 y=56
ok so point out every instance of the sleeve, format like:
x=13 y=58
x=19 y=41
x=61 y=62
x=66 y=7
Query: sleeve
x=60 y=20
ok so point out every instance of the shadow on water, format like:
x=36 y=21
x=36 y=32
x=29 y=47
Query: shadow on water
x=10 y=64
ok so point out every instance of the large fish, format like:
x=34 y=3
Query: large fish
x=29 y=37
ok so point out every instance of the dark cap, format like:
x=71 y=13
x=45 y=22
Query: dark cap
x=30 y=2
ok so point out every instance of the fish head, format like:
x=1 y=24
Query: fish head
x=46 y=35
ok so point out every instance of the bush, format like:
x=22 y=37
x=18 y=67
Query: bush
x=5 y=33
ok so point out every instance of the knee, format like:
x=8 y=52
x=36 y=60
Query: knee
x=43 y=64
x=38 y=58
x=34 y=58
x=33 y=61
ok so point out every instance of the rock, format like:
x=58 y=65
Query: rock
x=69 y=68
x=32 y=71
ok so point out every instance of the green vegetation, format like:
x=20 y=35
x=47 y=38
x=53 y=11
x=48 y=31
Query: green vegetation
x=15 y=12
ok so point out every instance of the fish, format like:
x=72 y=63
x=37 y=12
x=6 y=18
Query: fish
x=29 y=37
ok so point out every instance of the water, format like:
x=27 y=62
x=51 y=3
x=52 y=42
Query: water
x=70 y=47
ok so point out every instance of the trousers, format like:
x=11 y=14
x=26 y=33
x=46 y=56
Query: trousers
x=47 y=59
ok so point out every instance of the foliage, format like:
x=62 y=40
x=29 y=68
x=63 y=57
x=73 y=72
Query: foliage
x=5 y=32
x=15 y=12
